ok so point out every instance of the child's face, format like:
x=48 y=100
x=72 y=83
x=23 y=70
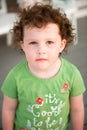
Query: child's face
x=42 y=46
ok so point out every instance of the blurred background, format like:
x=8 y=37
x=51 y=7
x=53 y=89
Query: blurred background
x=77 y=12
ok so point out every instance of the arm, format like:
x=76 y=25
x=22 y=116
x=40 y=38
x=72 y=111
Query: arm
x=77 y=112
x=8 y=113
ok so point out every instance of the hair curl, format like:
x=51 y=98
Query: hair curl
x=39 y=16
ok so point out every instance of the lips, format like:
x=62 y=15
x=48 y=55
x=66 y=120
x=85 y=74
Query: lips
x=41 y=59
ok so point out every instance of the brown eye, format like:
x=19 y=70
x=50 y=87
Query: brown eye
x=50 y=42
x=33 y=43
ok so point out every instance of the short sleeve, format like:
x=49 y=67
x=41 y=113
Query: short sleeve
x=78 y=86
x=9 y=87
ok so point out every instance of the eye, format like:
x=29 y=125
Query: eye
x=50 y=42
x=33 y=43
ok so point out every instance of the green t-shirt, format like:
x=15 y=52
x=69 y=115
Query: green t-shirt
x=43 y=104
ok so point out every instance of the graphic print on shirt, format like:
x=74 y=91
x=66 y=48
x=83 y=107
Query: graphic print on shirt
x=64 y=88
x=47 y=117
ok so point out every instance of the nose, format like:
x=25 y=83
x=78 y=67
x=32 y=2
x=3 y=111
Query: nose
x=42 y=49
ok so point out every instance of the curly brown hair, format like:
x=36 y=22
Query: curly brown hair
x=39 y=16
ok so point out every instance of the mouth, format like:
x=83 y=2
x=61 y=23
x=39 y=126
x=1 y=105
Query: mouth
x=41 y=59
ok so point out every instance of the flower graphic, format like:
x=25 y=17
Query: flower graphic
x=65 y=87
x=39 y=100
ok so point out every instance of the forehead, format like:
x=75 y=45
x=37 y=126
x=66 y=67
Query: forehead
x=49 y=28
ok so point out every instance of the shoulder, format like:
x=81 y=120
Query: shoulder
x=15 y=73
x=69 y=69
x=68 y=66
x=20 y=65
x=19 y=68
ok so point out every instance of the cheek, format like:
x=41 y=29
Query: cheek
x=30 y=55
x=53 y=56
x=55 y=52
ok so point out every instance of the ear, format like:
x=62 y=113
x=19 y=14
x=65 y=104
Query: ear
x=63 y=44
x=22 y=45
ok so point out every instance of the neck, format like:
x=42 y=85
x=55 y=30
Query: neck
x=51 y=72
